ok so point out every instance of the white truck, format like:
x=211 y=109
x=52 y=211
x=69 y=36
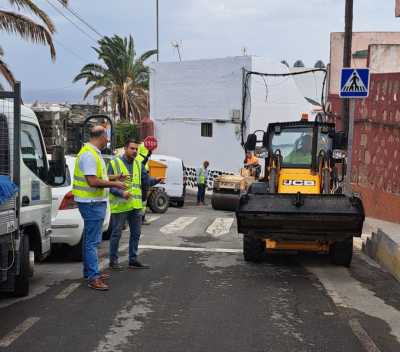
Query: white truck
x=25 y=219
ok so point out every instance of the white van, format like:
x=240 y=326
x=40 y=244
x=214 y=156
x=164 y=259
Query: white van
x=175 y=182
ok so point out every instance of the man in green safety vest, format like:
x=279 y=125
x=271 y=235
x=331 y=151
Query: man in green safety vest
x=202 y=178
x=89 y=190
x=143 y=156
x=127 y=206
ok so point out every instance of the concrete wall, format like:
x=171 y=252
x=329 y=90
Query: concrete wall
x=384 y=58
x=361 y=41
x=376 y=157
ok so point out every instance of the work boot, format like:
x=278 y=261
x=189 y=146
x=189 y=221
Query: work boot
x=116 y=266
x=138 y=265
x=98 y=284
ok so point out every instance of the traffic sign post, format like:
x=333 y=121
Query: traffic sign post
x=354 y=83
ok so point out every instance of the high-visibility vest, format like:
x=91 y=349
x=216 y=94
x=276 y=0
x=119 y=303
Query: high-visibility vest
x=142 y=154
x=133 y=182
x=202 y=177
x=80 y=186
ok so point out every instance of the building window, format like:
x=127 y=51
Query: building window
x=206 y=129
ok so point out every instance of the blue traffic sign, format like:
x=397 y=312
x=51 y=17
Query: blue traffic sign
x=354 y=83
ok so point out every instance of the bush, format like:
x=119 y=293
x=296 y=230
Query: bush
x=123 y=131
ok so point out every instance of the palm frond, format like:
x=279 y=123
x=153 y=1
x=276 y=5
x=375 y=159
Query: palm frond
x=7 y=74
x=31 y=7
x=26 y=29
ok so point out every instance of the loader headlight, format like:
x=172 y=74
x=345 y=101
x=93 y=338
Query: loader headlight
x=339 y=154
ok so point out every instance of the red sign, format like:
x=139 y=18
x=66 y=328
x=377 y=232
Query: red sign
x=150 y=143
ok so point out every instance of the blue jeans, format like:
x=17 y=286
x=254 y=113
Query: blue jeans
x=201 y=192
x=93 y=215
x=118 y=220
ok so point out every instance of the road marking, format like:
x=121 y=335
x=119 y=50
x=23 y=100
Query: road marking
x=220 y=226
x=192 y=249
x=151 y=218
x=347 y=292
x=7 y=340
x=177 y=225
x=363 y=337
x=68 y=290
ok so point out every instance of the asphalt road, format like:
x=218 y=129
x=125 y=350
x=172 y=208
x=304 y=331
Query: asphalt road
x=201 y=296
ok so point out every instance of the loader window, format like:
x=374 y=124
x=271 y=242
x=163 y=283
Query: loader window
x=295 y=145
x=32 y=151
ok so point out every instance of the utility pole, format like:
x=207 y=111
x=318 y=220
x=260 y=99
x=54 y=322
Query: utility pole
x=348 y=37
x=348 y=105
x=157 y=31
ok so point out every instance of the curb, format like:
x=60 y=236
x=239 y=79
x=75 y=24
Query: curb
x=385 y=251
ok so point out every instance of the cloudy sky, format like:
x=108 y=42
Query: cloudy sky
x=284 y=29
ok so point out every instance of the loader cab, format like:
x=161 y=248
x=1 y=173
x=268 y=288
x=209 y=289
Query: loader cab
x=299 y=143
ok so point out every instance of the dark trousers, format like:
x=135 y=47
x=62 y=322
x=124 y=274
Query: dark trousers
x=201 y=193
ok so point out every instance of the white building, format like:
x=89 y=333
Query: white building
x=196 y=107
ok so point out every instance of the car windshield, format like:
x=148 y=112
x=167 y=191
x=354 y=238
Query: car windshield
x=295 y=145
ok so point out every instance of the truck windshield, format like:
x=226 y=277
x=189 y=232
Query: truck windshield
x=295 y=145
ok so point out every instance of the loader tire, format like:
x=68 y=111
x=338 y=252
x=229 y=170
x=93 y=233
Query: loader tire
x=253 y=249
x=341 y=252
x=21 y=284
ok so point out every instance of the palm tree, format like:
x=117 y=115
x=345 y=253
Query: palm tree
x=122 y=77
x=26 y=28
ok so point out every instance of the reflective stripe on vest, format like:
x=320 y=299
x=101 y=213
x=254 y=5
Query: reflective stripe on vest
x=80 y=186
x=121 y=205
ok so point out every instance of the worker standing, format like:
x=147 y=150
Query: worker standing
x=89 y=190
x=126 y=206
x=202 y=178
x=143 y=156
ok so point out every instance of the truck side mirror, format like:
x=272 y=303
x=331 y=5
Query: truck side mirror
x=57 y=172
x=251 y=142
x=340 y=141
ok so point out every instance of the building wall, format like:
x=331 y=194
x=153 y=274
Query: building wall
x=376 y=156
x=361 y=41
x=185 y=94
x=384 y=58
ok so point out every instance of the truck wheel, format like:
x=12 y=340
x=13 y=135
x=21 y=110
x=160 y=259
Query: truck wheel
x=21 y=284
x=158 y=201
x=341 y=252
x=253 y=249
x=76 y=252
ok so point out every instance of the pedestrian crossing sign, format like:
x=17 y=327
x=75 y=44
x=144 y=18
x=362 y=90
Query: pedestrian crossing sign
x=354 y=83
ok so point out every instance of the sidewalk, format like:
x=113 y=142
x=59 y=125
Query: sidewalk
x=381 y=241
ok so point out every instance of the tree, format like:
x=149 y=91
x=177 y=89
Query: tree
x=27 y=28
x=122 y=77
x=299 y=63
x=284 y=62
x=319 y=64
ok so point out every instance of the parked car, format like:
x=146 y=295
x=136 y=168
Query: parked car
x=175 y=182
x=66 y=221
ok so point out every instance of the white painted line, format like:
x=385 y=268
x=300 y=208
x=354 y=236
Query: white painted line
x=7 y=340
x=68 y=290
x=177 y=225
x=220 y=226
x=192 y=249
x=152 y=218
x=363 y=337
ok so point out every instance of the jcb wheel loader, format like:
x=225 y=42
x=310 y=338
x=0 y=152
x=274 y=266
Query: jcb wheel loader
x=299 y=205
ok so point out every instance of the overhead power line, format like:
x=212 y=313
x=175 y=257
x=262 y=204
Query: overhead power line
x=71 y=21
x=81 y=19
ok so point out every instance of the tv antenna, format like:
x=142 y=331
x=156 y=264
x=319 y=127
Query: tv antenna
x=177 y=45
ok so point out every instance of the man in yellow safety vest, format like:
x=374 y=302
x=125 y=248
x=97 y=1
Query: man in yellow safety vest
x=89 y=190
x=127 y=206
